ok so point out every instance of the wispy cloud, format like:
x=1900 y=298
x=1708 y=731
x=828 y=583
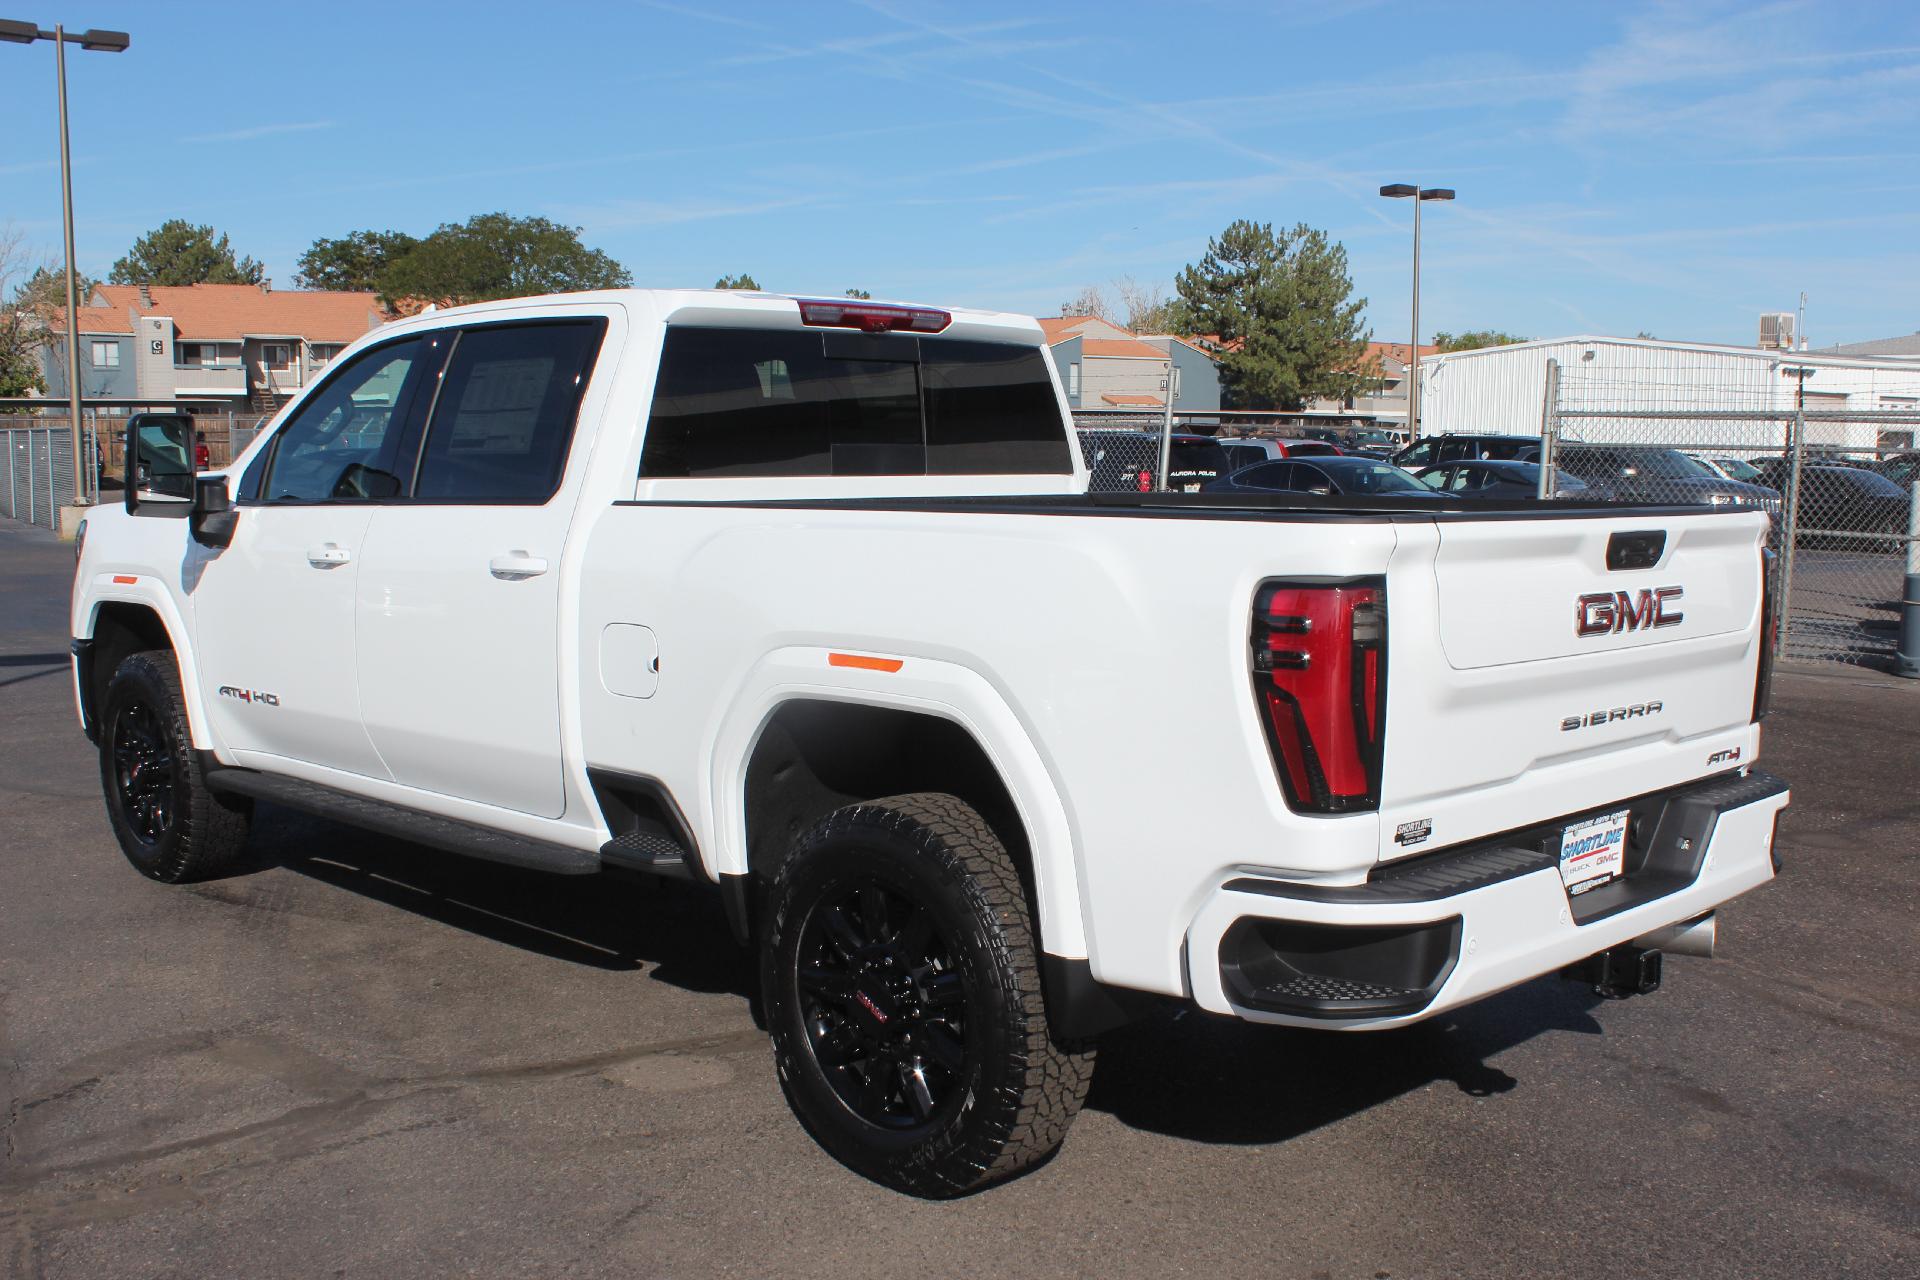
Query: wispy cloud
x=660 y=213
x=704 y=15
x=260 y=131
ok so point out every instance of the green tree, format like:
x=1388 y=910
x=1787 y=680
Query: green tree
x=861 y=294
x=32 y=314
x=496 y=255
x=1284 y=309
x=741 y=281
x=177 y=252
x=1474 y=339
x=354 y=262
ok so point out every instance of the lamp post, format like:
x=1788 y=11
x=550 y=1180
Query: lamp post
x=100 y=42
x=1396 y=191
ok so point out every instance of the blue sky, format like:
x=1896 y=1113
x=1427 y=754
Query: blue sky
x=1674 y=168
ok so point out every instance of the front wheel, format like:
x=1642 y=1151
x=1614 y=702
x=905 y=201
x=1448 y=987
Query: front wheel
x=170 y=826
x=903 y=996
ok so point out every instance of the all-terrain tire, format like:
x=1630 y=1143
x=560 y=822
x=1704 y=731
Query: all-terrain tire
x=985 y=1093
x=171 y=827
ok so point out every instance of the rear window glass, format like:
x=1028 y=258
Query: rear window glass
x=1193 y=458
x=769 y=402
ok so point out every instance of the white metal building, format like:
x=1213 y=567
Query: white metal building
x=1503 y=389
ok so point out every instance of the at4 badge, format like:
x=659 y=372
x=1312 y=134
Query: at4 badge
x=250 y=695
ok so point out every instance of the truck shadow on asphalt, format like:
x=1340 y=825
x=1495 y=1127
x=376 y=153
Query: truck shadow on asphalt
x=1204 y=1078
x=602 y=922
x=1178 y=1072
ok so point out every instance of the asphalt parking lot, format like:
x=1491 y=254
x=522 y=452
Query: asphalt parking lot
x=362 y=1058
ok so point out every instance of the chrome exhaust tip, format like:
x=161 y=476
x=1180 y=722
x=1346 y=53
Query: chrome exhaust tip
x=1688 y=938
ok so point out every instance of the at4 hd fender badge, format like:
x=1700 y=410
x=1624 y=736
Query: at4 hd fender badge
x=250 y=695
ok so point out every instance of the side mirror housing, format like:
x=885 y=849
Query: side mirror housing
x=214 y=516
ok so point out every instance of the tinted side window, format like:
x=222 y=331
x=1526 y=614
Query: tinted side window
x=990 y=410
x=1420 y=455
x=505 y=412
x=760 y=402
x=1269 y=475
x=747 y=402
x=341 y=444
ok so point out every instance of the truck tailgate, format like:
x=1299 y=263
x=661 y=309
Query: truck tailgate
x=1519 y=660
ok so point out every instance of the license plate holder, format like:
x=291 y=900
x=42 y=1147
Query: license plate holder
x=1593 y=852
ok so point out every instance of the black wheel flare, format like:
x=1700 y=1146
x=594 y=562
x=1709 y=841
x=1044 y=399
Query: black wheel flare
x=143 y=771
x=884 y=1005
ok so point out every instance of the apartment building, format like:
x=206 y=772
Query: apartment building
x=250 y=345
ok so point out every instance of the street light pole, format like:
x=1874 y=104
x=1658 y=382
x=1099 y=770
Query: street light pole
x=101 y=42
x=1396 y=191
x=73 y=288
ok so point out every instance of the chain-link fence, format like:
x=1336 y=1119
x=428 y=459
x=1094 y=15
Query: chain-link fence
x=1841 y=485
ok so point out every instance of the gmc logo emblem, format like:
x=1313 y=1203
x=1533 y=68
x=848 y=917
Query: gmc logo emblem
x=1605 y=613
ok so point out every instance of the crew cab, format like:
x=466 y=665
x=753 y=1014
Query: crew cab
x=808 y=602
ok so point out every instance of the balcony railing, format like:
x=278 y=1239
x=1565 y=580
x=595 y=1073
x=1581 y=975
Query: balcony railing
x=210 y=377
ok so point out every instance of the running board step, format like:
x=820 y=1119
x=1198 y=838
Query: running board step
x=652 y=849
x=406 y=824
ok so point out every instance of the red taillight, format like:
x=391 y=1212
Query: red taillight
x=1146 y=482
x=1319 y=675
x=202 y=458
x=1769 y=634
x=871 y=317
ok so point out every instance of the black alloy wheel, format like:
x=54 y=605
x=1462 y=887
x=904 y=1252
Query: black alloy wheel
x=143 y=768
x=884 y=1004
x=169 y=824
x=901 y=981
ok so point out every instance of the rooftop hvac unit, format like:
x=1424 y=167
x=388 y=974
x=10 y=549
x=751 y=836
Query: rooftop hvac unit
x=1776 y=330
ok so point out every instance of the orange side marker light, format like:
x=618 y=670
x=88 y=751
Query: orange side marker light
x=864 y=664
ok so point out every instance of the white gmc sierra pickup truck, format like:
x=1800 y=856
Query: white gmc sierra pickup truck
x=807 y=601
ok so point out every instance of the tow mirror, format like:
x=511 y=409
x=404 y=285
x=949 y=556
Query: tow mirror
x=159 y=465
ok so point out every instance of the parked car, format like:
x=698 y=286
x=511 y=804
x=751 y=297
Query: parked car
x=877 y=674
x=1843 y=500
x=1466 y=448
x=1271 y=447
x=1499 y=479
x=1193 y=461
x=1901 y=468
x=1326 y=477
x=1129 y=461
x=1639 y=473
x=1369 y=443
x=1732 y=468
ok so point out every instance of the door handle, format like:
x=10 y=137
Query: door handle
x=328 y=555
x=516 y=566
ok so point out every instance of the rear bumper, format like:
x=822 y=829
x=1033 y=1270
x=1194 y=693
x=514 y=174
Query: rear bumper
x=1442 y=931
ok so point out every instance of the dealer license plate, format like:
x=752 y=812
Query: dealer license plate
x=1593 y=852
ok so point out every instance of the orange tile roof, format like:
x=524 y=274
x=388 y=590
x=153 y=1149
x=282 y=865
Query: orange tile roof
x=230 y=311
x=1398 y=350
x=1132 y=399
x=1131 y=347
x=94 y=320
x=1060 y=328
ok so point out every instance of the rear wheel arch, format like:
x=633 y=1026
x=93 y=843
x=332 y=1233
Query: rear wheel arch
x=813 y=756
